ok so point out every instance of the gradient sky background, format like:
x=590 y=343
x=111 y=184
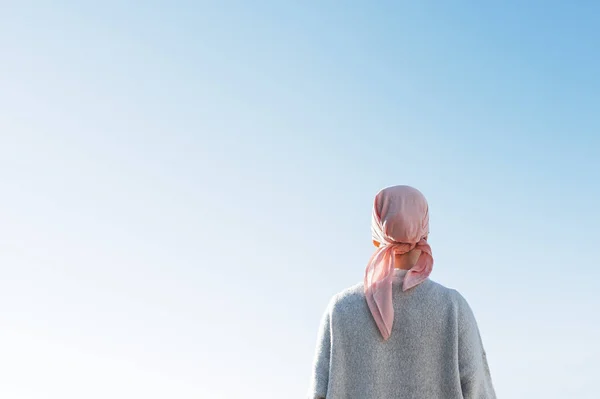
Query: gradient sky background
x=184 y=185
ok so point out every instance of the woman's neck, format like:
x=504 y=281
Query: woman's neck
x=406 y=261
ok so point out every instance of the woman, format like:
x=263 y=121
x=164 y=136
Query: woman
x=399 y=334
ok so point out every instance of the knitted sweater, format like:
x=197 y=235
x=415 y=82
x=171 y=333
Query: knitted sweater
x=434 y=351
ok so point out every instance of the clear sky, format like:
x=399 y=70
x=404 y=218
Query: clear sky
x=184 y=185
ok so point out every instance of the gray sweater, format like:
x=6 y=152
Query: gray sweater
x=435 y=350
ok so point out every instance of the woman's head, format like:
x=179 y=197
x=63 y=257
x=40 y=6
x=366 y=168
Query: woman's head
x=400 y=215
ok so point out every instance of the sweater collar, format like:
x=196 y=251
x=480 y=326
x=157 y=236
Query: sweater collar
x=399 y=275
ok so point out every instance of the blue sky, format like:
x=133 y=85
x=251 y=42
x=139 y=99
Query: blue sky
x=185 y=185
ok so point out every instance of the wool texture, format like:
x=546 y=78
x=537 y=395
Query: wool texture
x=434 y=350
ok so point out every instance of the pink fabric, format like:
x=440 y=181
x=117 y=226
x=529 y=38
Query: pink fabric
x=400 y=223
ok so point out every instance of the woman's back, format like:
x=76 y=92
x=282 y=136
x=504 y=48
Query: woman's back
x=434 y=350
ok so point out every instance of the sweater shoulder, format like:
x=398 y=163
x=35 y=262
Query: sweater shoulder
x=445 y=294
x=348 y=298
x=431 y=291
x=442 y=290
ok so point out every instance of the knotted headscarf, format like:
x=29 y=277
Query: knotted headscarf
x=400 y=223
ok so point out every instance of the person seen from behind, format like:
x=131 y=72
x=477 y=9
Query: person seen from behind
x=399 y=334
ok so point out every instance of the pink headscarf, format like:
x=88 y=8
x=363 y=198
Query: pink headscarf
x=400 y=223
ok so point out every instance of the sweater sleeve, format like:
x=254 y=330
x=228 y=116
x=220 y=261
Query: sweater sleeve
x=475 y=378
x=320 y=370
